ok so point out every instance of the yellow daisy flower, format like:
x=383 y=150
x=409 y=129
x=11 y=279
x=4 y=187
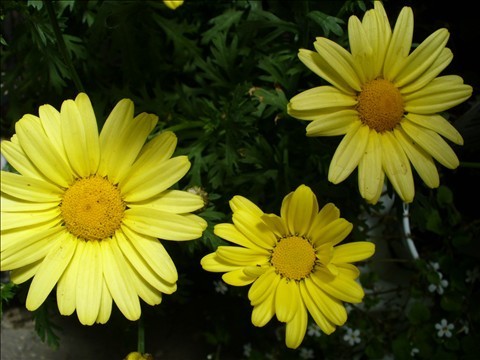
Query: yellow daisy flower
x=292 y=261
x=173 y=4
x=385 y=101
x=85 y=211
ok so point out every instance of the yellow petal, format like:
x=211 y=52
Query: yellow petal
x=420 y=159
x=105 y=305
x=361 y=47
x=351 y=252
x=30 y=189
x=333 y=233
x=422 y=58
x=326 y=215
x=263 y=312
x=151 y=251
x=438 y=124
x=441 y=94
x=212 y=262
x=67 y=284
x=301 y=210
x=11 y=204
x=19 y=276
x=397 y=167
x=348 y=153
x=337 y=66
x=287 y=300
x=332 y=308
x=242 y=256
x=313 y=308
x=318 y=98
x=91 y=130
x=163 y=225
x=50 y=270
x=89 y=283
x=119 y=280
x=50 y=119
x=158 y=149
x=400 y=44
x=341 y=286
x=296 y=328
x=276 y=224
x=241 y=203
x=148 y=293
x=254 y=229
x=42 y=152
x=237 y=278
x=432 y=143
x=173 y=4
x=230 y=233
x=10 y=221
x=145 y=183
x=80 y=139
x=16 y=157
x=264 y=286
x=172 y=201
x=370 y=172
x=332 y=124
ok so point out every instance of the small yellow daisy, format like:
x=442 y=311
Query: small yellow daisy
x=385 y=101
x=85 y=211
x=293 y=262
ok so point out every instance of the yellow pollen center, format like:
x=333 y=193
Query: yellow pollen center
x=92 y=208
x=380 y=105
x=293 y=257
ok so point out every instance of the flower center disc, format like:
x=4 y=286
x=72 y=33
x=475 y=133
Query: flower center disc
x=293 y=257
x=380 y=105
x=92 y=208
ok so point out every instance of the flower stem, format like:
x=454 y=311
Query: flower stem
x=61 y=45
x=141 y=336
x=407 y=232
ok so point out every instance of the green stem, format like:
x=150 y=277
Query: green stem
x=61 y=45
x=141 y=336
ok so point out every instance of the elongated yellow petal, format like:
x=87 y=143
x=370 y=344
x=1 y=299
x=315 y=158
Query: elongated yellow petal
x=91 y=130
x=50 y=271
x=352 y=252
x=67 y=284
x=14 y=205
x=172 y=201
x=11 y=221
x=362 y=48
x=296 y=328
x=432 y=143
x=19 y=276
x=40 y=150
x=254 y=229
x=397 y=167
x=332 y=124
x=332 y=308
x=422 y=58
x=148 y=293
x=370 y=172
x=438 y=124
x=265 y=285
x=333 y=233
x=400 y=44
x=163 y=225
x=237 y=278
x=119 y=280
x=16 y=157
x=158 y=149
x=230 y=233
x=439 y=95
x=263 y=312
x=338 y=66
x=154 y=255
x=317 y=98
x=142 y=184
x=89 y=283
x=301 y=210
x=212 y=262
x=276 y=224
x=31 y=189
x=327 y=214
x=105 y=305
x=420 y=159
x=18 y=239
x=313 y=308
x=341 y=287
x=348 y=153
x=287 y=300
x=241 y=256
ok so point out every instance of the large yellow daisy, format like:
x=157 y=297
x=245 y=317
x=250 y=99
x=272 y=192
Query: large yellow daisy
x=385 y=101
x=85 y=211
x=292 y=261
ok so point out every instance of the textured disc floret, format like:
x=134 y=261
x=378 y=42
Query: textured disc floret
x=380 y=105
x=92 y=208
x=293 y=257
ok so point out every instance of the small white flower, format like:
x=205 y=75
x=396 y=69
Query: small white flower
x=439 y=288
x=472 y=275
x=314 y=330
x=247 y=350
x=306 y=353
x=464 y=327
x=435 y=266
x=414 y=352
x=444 y=328
x=352 y=336
x=220 y=286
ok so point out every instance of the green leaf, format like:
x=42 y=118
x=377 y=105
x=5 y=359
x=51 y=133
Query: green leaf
x=444 y=196
x=418 y=313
